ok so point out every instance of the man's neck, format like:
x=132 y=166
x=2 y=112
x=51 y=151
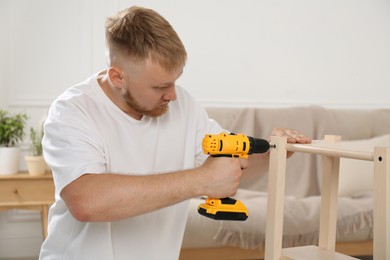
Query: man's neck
x=109 y=91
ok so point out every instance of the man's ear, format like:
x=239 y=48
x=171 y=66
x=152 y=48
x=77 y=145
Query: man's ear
x=115 y=75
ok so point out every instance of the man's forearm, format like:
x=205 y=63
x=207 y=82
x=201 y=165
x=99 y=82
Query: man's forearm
x=111 y=197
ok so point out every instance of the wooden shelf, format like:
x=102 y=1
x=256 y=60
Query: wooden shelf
x=312 y=252
x=25 y=175
x=332 y=151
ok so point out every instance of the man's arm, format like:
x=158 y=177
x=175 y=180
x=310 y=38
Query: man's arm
x=111 y=197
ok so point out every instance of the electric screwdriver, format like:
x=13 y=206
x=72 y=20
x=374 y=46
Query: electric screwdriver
x=235 y=146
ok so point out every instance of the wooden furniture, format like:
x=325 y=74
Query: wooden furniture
x=23 y=191
x=331 y=153
x=363 y=248
x=327 y=245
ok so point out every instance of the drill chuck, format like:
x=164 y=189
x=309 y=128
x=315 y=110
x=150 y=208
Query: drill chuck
x=258 y=145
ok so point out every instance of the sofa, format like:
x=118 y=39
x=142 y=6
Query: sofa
x=362 y=129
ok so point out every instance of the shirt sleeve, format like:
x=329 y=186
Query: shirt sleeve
x=205 y=126
x=71 y=144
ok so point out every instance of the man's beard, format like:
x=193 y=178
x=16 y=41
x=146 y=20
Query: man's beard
x=134 y=105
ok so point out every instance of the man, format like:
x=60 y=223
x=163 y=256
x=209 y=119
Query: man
x=123 y=146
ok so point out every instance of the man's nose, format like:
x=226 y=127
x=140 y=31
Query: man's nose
x=171 y=94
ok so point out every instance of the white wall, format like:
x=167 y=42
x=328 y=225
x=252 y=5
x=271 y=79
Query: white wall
x=241 y=53
x=252 y=52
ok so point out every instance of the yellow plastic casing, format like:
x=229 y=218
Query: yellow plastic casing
x=224 y=209
x=223 y=144
x=227 y=145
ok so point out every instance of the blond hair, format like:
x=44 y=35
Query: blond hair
x=141 y=33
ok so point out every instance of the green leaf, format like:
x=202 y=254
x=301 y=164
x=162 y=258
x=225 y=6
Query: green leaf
x=11 y=128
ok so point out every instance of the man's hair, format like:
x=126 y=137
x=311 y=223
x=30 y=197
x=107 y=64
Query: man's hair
x=140 y=33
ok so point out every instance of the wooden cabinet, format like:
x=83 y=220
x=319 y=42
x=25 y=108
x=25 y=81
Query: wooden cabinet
x=23 y=191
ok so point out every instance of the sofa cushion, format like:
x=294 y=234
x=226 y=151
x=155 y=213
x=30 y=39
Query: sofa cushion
x=300 y=222
x=356 y=175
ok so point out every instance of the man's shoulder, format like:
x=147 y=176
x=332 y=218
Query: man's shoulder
x=75 y=95
x=80 y=89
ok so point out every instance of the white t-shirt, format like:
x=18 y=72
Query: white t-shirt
x=86 y=133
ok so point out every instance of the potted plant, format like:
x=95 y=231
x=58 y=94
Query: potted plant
x=35 y=162
x=11 y=133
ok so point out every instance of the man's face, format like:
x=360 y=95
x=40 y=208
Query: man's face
x=143 y=110
x=148 y=89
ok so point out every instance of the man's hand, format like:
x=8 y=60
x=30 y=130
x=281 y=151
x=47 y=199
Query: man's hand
x=222 y=176
x=293 y=136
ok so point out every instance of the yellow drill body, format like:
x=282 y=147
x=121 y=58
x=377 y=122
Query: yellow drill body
x=236 y=146
x=226 y=145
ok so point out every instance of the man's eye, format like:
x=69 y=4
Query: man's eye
x=162 y=87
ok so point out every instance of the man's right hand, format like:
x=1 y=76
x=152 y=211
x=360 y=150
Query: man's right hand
x=222 y=176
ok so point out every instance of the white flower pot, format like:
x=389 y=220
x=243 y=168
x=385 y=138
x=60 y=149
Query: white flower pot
x=9 y=160
x=36 y=165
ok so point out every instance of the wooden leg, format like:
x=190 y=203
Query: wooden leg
x=382 y=203
x=329 y=198
x=275 y=200
x=44 y=220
